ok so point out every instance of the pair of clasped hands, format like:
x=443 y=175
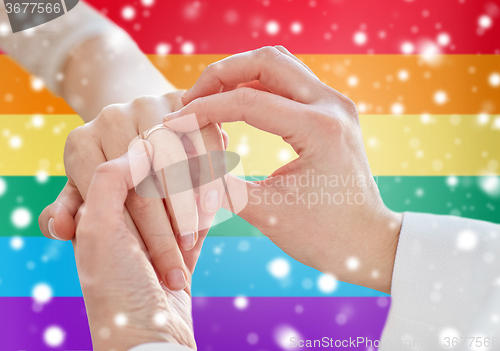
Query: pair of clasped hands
x=135 y=259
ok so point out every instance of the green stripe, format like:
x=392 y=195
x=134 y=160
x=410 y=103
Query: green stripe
x=417 y=194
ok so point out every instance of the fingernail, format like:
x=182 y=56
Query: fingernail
x=212 y=200
x=52 y=229
x=176 y=280
x=187 y=241
x=186 y=93
x=171 y=116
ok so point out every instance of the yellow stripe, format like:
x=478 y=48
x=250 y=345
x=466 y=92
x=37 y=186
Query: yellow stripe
x=406 y=145
x=34 y=143
x=463 y=78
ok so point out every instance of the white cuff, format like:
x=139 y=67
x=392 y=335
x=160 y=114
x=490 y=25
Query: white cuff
x=160 y=346
x=443 y=274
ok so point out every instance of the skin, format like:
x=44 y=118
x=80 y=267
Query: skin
x=126 y=304
x=108 y=136
x=173 y=244
x=354 y=242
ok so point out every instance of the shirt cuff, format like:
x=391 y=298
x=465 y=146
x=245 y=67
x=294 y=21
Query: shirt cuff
x=442 y=275
x=160 y=346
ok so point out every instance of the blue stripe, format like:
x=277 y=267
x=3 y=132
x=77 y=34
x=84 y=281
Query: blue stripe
x=228 y=266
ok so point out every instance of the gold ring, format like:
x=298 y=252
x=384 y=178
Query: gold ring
x=145 y=135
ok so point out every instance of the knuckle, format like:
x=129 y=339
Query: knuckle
x=199 y=104
x=280 y=48
x=140 y=204
x=166 y=156
x=350 y=107
x=110 y=115
x=268 y=52
x=148 y=103
x=201 y=107
x=328 y=123
x=143 y=100
x=76 y=140
x=107 y=169
x=186 y=216
x=212 y=133
x=211 y=69
x=170 y=250
x=246 y=97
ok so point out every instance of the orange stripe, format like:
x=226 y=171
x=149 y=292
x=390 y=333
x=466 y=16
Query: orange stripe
x=463 y=78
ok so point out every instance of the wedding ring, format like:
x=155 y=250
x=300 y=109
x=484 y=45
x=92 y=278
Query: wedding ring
x=145 y=135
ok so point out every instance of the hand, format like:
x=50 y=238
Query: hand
x=335 y=221
x=126 y=304
x=106 y=138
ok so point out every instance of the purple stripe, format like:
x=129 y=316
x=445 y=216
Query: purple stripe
x=219 y=324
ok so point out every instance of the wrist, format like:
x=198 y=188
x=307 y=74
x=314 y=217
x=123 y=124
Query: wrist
x=115 y=328
x=368 y=258
x=386 y=230
x=125 y=338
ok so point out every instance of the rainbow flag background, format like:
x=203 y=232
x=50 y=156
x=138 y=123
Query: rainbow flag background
x=425 y=75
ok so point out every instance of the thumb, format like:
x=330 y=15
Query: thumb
x=57 y=220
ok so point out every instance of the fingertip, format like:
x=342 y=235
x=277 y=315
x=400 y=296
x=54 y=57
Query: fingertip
x=170 y=116
x=212 y=201
x=52 y=229
x=188 y=241
x=46 y=222
x=186 y=97
x=176 y=279
x=61 y=226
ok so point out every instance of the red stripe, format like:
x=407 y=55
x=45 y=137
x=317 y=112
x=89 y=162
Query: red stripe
x=225 y=27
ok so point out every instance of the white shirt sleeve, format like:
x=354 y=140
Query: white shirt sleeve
x=43 y=50
x=160 y=346
x=446 y=284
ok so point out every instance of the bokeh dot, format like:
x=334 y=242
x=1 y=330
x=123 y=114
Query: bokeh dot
x=16 y=243
x=327 y=283
x=466 y=240
x=241 y=302
x=54 y=336
x=42 y=293
x=3 y=186
x=128 y=13
x=252 y=338
x=21 y=217
x=279 y=268
x=272 y=27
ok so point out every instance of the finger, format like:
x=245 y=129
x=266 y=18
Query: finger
x=157 y=234
x=172 y=172
x=112 y=181
x=149 y=213
x=156 y=230
x=278 y=72
x=209 y=145
x=225 y=138
x=250 y=201
x=289 y=54
x=265 y=111
x=57 y=220
x=82 y=156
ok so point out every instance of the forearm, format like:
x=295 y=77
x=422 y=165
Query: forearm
x=108 y=70
x=85 y=58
